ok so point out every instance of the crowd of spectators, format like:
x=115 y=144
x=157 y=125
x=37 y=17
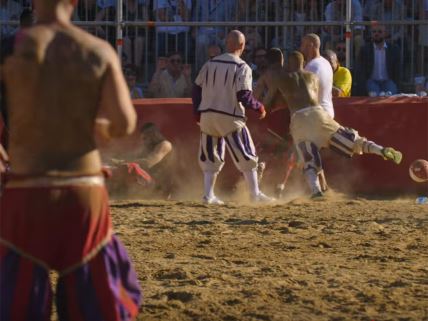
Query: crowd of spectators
x=144 y=47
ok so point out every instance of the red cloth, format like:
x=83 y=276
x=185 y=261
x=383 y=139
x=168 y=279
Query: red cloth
x=57 y=227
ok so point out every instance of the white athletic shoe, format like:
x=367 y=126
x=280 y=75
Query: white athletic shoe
x=214 y=200
x=262 y=198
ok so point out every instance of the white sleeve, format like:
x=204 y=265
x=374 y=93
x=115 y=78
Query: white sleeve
x=244 y=78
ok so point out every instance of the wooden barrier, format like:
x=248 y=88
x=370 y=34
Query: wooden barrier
x=401 y=122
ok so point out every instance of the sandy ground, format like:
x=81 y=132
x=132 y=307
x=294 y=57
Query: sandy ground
x=333 y=259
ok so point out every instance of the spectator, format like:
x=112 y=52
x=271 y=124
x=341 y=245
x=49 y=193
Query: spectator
x=297 y=11
x=131 y=80
x=106 y=11
x=133 y=37
x=378 y=64
x=342 y=78
x=213 y=51
x=172 y=38
x=336 y=11
x=171 y=79
x=9 y=10
x=210 y=11
x=26 y=19
x=387 y=10
x=260 y=63
x=340 y=50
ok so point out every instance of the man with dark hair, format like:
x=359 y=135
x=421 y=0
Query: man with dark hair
x=379 y=64
x=62 y=85
x=312 y=128
x=173 y=81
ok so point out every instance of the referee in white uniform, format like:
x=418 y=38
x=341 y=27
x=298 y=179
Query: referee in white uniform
x=221 y=93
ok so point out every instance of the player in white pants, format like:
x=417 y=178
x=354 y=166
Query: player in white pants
x=312 y=128
x=222 y=92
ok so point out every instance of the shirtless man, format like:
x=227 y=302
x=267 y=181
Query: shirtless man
x=275 y=61
x=312 y=128
x=61 y=85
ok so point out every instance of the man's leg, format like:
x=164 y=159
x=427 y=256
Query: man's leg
x=211 y=161
x=312 y=165
x=389 y=86
x=373 y=88
x=25 y=289
x=105 y=288
x=243 y=152
x=347 y=142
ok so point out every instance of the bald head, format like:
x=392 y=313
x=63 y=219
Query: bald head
x=310 y=46
x=331 y=57
x=235 y=42
x=313 y=39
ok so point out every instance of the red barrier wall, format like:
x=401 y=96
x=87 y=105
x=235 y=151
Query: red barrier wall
x=401 y=122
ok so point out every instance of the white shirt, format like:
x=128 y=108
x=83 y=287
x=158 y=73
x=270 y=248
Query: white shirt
x=220 y=79
x=379 y=65
x=322 y=68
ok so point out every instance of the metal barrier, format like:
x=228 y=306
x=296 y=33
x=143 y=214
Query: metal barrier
x=141 y=31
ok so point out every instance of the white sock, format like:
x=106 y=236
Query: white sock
x=209 y=183
x=313 y=180
x=370 y=147
x=252 y=182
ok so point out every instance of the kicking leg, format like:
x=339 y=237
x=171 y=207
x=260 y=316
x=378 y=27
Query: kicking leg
x=347 y=142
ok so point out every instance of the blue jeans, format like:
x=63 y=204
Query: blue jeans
x=378 y=86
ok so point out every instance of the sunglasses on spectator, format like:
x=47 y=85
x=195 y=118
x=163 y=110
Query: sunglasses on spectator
x=340 y=49
x=175 y=61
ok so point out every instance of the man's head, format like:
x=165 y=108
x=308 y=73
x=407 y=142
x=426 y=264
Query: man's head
x=378 y=34
x=259 y=58
x=310 y=46
x=340 y=50
x=295 y=61
x=130 y=75
x=213 y=51
x=235 y=42
x=331 y=57
x=274 y=56
x=175 y=63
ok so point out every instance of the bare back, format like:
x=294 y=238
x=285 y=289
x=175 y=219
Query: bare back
x=54 y=83
x=299 y=89
x=270 y=99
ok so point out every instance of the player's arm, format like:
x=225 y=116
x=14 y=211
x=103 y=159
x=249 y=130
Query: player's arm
x=117 y=116
x=159 y=152
x=245 y=94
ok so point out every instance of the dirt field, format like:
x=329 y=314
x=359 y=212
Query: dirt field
x=334 y=259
